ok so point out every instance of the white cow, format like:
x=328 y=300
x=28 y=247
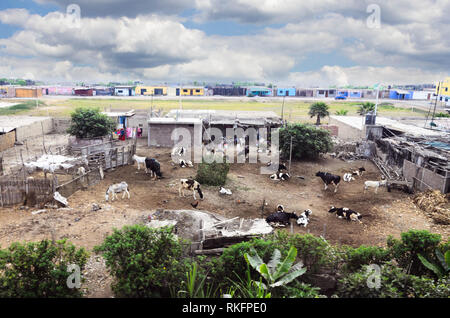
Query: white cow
x=374 y=184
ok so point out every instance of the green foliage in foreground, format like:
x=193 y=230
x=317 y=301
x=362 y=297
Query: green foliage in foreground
x=39 y=270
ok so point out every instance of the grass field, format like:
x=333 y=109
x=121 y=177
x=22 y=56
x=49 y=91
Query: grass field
x=294 y=110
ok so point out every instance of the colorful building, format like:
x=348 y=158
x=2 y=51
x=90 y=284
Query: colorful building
x=151 y=90
x=400 y=94
x=191 y=91
x=259 y=91
x=444 y=88
x=28 y=92
x=286 y=91
x=57 y=90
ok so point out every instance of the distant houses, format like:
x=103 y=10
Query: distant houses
x=403 y=93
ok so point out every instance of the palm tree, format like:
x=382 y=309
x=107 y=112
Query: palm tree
x=319 y=109
x=365 y=108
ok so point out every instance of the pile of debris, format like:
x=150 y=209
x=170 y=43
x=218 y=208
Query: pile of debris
x=350 y=151
x=435 y=204
x=209 y=231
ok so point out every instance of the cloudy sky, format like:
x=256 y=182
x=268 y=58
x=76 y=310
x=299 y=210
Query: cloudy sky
x=286 y=42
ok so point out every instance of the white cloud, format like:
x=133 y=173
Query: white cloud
x=160 y=48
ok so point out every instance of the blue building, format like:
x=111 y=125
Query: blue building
x=259 y=91
x=286 y=91
x=400 y=94
x=354 y=94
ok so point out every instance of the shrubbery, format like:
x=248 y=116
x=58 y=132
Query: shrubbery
x=412 y=243
x=213 y=174
x=145 y=262
x=37 y=270
x=308 y=141
x=365 y=255
x=394 y=283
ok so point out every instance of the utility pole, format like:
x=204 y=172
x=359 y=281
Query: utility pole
x=282 y=108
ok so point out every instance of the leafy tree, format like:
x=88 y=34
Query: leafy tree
x=308 y=141
x=366 y=108
x=276 y=273
x=319 y=110
x=90 y=123
x=39 y=269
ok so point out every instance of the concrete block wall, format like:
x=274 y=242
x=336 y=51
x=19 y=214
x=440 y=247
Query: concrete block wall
x=346 y=132
x=7 y=140
x=60 y=125
x=161 y=134
x=429 y=178
x=34 y=129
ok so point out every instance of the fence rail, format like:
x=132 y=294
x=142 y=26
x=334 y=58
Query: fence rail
x=14 y=191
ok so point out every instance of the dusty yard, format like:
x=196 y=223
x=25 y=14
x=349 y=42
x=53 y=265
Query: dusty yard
x=385 y=213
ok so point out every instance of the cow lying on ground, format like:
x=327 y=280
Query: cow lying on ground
x=117 y=188
x=328 y=179
x=281 y=218
x=185 y=163
x=374 y=184
x=139 y=161
x=303 y=219
x=346 y=213
x=348 y=177
x=154 y=167
x=281 y=166
x=190 y=184
x=280 y=176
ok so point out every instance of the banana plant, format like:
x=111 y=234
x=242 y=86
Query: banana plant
x=442 y=269
x=276 y=272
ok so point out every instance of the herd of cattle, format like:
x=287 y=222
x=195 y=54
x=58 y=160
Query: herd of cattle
x=280 y=217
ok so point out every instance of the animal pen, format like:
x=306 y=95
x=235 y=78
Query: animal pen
x=36 y=181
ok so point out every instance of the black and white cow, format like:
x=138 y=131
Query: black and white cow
x=190 y=184
x=185 y=163
x=154 y=167
x=280 y=176
x=328 y=179
x=346 y=213
x=281 y=218
x=359 y=172
x=303 y=219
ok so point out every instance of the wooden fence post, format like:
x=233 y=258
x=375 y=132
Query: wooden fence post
x=1 y=195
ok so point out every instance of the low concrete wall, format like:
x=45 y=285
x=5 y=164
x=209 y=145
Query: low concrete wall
x=346 y=132
x=34 y=129
x=7 y=140
x=160 y=134
x=424 y=179
x=139 y=121
x=60 y=125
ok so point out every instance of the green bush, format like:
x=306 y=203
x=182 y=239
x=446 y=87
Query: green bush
x=90 y=123
x=394 y=283
x=232 y=261
x=314 y=252
x=145 y=262
x=365 y=255
x=342 y=112
x=213 y=174
x=39 y=269
x=308 y=141
x=412 y=243
x=297 y=289
x=444 y=115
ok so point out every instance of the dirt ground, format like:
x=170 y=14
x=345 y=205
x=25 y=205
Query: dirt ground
x=385 y=213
